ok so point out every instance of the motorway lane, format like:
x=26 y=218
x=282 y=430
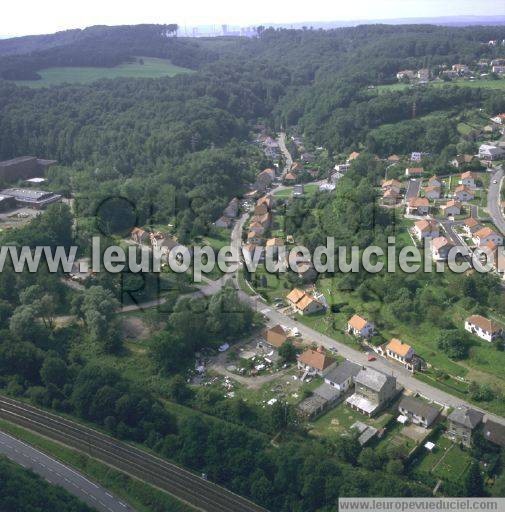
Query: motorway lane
x=57 y=473
x=494 y=200
x=186 y=486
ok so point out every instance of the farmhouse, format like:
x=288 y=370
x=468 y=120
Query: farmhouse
x=418 y=411
x=484 y=328
x=358 y=326
x=463 y=422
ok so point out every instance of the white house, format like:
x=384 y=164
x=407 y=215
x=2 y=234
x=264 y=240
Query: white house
x=426 y=229
x=485 y=235
x=490 y=152
x=358 y=326
x=304 y=303
x=483 y=327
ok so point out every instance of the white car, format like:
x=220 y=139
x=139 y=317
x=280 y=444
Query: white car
x=495 y=181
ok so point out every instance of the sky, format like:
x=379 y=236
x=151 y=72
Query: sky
x=24 y=17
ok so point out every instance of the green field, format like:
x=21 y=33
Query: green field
x=150 y=68
x=485 y=84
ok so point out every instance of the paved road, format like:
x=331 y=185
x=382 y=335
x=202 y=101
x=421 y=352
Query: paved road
x=494 y=200
x=58 y=474
x=200 y=493
x=413 y=189
x=287 y=155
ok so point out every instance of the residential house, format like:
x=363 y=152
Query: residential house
x=463 y=422
x=256 y=226
x=485 y=235
x=418 y=411
x=468 y=179
x=353 y=156
x=275 y=336
x=426 y=229
x=440 y=248
x=418 y=206
x=434 y=181
x=401 y=352
x=416 y=156
x=304 y=303
x=494 y=433
x=499 y=119
x=460 y=68
x=254 y=238
x=463 y=193
x=342 y=168
x=499 y=70
x=139 y=236
x=265 y=178
x=290 y=178
x=267 y=200
x=484 y=328
x=391 y=184
x=358 y=326
x=394 y=159
x=273 y=244
x=391 y=196
x=260 y=209
x=342 y=377
x=461 y=160
x=490 y=152
x=316 y=361
x=432 y=192
x=250 y=250
x=452 y=207
x=406 y=74
x=471 y=225
x=423 y=74
x=373 y=390
x=414 y=172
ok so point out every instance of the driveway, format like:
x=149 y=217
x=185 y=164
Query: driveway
x=413 y=189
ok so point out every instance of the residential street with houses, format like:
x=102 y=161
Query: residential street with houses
x=287 y=155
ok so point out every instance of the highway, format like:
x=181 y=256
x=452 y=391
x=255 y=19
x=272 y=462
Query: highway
x=494 y=199
x=184 y=485
x=57 y=473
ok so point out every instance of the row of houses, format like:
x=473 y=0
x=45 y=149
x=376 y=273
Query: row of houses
x=161 y=242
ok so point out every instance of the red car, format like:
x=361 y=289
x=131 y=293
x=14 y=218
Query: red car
x=371 y=357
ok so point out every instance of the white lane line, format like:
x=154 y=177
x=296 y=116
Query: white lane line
x=109 y=494
x=122 y=504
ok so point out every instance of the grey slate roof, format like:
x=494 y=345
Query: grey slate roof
x=495 y=432
x=327 y=392
x=342 y=372
x=465 y=416
x=419 y=408
x=373 y=379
